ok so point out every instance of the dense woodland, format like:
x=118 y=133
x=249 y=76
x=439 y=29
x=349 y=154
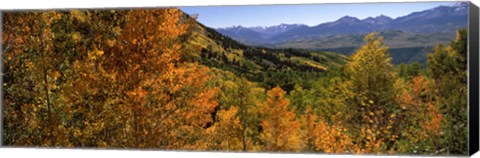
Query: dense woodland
x=157 y=79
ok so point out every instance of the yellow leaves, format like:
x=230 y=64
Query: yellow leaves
x=95 y=54
x=99 y=52
x=117 y=30
x=363 y=104
x=138 y=93
x=92 y=55
x=369 y=138
x=110 y=42
x=56 y=75
x=373 y=142
x=102 y=144
x=76 y=64
x=77 y=14
x=392 y=115
x=276 y=97
x=76 y=133
x=331 y=138
x=76 y=37
x=226 y=132
x=393 y=137
x=29 y=64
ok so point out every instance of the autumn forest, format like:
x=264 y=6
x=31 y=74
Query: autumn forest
x=158 y=79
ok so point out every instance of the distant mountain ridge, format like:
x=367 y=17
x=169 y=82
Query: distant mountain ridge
x=258 y=34
x=271 y=31
x=441 y=19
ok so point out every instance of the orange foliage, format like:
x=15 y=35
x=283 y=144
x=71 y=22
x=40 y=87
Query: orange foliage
x=128 y=88
x=332 y=138
x=167 y=97
x=323 y=137
x=280 y=127
x=424 y=117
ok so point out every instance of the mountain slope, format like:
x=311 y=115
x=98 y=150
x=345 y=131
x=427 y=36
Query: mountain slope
x=404 y=47
x=243 y=35
x=392 y=38
x=439 y=19
x=270 y=67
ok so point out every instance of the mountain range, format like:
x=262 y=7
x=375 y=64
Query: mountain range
x=442 y=19
x=259 y=34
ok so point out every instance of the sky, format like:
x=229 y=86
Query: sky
x=311 y=14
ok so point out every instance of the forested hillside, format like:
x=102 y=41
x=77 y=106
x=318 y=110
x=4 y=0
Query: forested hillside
x=271 y=67
x=157 y=79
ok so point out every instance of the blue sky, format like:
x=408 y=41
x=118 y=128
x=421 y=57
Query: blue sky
x=313 y=14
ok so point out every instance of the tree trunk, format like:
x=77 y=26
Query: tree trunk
x=47 y=95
